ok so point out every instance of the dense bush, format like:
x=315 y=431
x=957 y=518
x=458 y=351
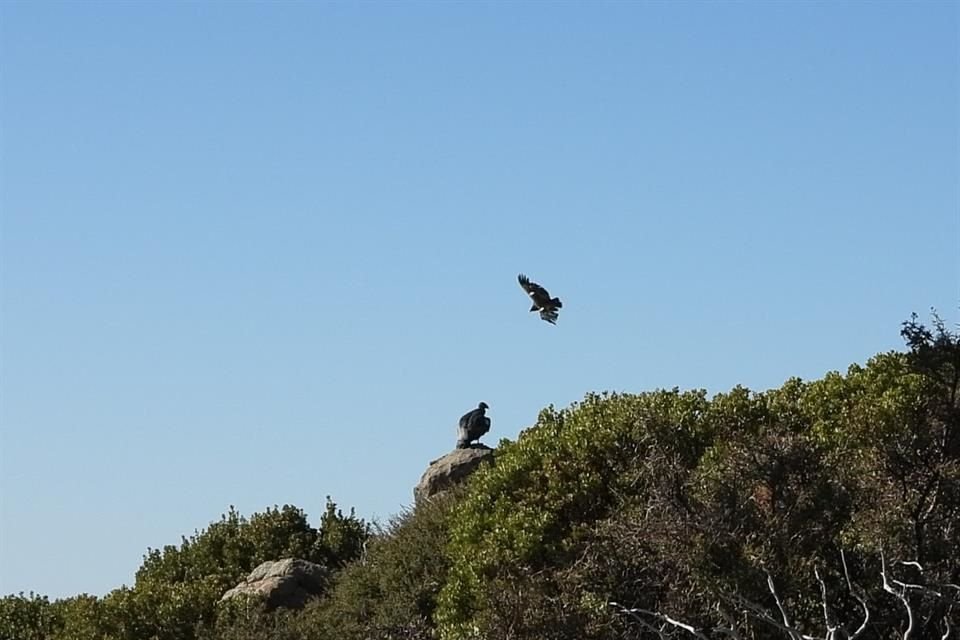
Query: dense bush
x=393 y=591
x=679 y=505
x=176 y=590
x=614 y=518
x=390 y=592
x=524 y=517
x=26 y=617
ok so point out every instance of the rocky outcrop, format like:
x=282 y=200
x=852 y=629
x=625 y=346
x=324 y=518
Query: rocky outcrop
x=450 y=470
x=282 y=583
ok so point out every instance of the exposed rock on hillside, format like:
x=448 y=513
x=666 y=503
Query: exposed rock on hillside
x=282 y=583
x=450 y=470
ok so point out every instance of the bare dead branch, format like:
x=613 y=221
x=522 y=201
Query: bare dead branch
x=732 y=605
x=906 y=586
x=661 y=616
x=763 y=615
x=831 y=625
x=636 y=616
x=858 y=594
x=796 y=635
x=901 y=595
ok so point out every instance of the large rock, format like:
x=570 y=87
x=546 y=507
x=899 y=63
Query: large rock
x=282 y=583
x=450 y=470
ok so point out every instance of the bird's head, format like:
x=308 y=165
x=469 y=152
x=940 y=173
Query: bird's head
x=484 y=406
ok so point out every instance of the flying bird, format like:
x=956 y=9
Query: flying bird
x=473 y=425
x=542 y=302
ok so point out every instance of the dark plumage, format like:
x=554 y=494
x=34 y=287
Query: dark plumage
x=472 y=426
x=542 y=302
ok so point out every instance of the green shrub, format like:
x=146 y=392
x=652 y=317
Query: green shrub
x=665 y=502
x=27 y=617
x=523 y=515
x=391 y=592
x=176 y=590
x=672 y=502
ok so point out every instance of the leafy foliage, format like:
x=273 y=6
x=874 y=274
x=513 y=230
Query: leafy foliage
x=608 y=515
x=674 y=502
x=176 y=590
x=522 y=516
x=392 y=592
x=27 y=617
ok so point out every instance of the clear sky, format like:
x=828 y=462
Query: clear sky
x=259 y=253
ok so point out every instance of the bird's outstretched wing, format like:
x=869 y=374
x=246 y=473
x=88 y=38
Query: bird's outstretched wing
x=535 y=291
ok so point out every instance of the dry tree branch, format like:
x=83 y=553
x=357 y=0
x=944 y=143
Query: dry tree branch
x=662 y=616
x=796 y=635
x=834 y=629
x=858 y=594
x=636 y=616
x=831 y=626
x=901 y=595
x=763 y=615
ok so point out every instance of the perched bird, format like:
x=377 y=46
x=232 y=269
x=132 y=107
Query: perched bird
x=473 y=425
x=542 y=302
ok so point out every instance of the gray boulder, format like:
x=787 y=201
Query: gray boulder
x=450 y=470
x=282 y=583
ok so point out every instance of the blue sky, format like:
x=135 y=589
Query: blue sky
x=256 y=254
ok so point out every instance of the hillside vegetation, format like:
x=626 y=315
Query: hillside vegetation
x=828 y=508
